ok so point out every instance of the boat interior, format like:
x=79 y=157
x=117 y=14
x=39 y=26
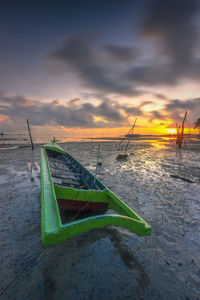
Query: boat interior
x=66 y=172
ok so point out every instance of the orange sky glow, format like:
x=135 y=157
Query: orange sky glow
x=116 y=132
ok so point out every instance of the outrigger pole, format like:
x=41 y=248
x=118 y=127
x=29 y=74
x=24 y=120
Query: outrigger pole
x=128 y=135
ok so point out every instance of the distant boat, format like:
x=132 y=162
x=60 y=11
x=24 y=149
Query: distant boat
x=66 y=186
x=132 y=135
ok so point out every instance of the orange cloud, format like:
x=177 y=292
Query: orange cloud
x=74 y=101
x=99 y=119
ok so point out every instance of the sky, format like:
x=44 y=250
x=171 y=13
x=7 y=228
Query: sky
x=89 y=68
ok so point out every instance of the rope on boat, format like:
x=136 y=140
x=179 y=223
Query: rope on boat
x=80 y=210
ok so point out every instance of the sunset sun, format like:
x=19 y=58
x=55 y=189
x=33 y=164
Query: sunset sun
x=171 y=130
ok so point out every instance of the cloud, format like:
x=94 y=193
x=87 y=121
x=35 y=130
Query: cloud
x=17 y=101
x=176 y=108
x=54 y=113
x=152 y=74
x=171 y=26
x=14 y=109
x=56 y=102
x=74 y=101
x=160 y=96
x=145 y=103
x=172 y=22
x=190 y=104
x=114 y=69
x=89 y=62
x=131 y=110
x=172 y=29
x=156 y=115
x=120 y=53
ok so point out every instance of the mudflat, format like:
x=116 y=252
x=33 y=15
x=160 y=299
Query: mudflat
x=158 y=181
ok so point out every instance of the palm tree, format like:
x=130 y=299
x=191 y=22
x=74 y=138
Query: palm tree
x=197 y=124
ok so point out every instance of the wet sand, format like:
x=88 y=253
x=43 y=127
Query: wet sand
x=111 y=263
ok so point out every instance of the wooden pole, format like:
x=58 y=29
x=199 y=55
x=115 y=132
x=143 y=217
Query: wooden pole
x=182 y=131
x=30 y=134
x=95 y=177
x=178 y=127
x=130 y=134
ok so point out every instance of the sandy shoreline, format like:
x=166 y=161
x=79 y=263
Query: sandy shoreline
x=111 y=263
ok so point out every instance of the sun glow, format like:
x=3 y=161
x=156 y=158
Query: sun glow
x=171 y=130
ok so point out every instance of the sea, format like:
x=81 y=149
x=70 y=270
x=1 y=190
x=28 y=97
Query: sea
x=14 y=140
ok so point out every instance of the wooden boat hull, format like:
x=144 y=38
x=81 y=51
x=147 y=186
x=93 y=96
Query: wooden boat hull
x=75 y=206
x=67 y=186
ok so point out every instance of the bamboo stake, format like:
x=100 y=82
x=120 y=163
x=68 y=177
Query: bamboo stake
x=130 y=134
x=127 y=136
x=95 y=177
x=30 y=134
x=182 y=131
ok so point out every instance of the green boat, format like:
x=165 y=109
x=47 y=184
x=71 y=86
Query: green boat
x=74 y=201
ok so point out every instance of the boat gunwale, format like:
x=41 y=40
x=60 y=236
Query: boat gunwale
x=52 y=190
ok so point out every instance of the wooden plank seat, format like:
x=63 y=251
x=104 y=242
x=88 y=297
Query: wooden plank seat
x=66 y=175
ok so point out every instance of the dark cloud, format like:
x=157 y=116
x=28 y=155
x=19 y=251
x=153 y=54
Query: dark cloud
x=171 y=25
x=131 y=110
x=176 y=108
x=114 y=68
x=190 y=104
x=153 y=74
x=109 y=111
x=120 y=53
x=79 y=54
x=160 y=96
x=16 y=101
x=155 y=115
